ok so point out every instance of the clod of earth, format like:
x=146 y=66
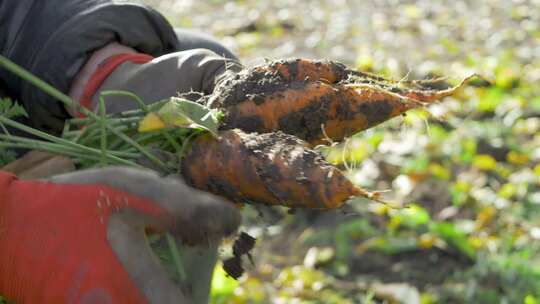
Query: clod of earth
x=316 y=100
x=243 y=245
x=271 y=168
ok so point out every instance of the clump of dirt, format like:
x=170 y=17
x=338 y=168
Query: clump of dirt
x=243 y=245
x=249 y=84
x=259 y=82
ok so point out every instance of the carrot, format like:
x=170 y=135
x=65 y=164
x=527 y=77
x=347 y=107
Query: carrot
x=299 y=69
x=260 y=81
x=272 y=168
x=316 y=110
x=316 y=99
x=306 y=70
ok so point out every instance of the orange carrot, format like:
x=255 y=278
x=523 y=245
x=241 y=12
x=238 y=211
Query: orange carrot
x=315 y=99
x=315 y=110
x=272 y=168
x=306 y=70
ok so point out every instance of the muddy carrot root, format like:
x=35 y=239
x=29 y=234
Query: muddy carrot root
x=276 y=75
x=299 y=69
x=272 y=168
x=263 y=80
x=315 y=110
x=429 y=96
x=306 y=70
x=316 y=100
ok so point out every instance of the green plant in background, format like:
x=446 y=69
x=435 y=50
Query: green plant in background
x=223 y=286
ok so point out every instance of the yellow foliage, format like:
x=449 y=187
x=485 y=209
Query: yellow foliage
x=485 y=216
x=517 y=158
x=484 y=162
x=537 y=170
x=151 y=122
x=426 y=241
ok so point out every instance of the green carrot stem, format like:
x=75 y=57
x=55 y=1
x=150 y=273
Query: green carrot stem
x=58 y=148
x=89 y=134
x=35 y=146
x=113 y=120
x=176 y=257
x=67 y=101
x=140 y=148
x=184 y=148
x=176 y=146
x=144 y=108
x=42 y=85
x=139 y=101
x=49 y=148
x=58 y=140
x=103 y=129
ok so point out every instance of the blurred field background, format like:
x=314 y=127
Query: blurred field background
x=469 y=167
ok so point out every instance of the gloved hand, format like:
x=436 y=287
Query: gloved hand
x=117 y=67
x=80 y=237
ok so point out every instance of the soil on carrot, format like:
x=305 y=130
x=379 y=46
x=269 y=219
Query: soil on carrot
x=258 y=82
x=316 y=100
x=272 y=168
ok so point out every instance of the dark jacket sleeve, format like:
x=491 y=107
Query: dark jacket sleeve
x=54 y=38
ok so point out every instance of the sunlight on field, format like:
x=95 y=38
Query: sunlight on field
x=470 y=165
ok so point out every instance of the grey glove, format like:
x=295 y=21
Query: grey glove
x=199 y=218
x=194 y=70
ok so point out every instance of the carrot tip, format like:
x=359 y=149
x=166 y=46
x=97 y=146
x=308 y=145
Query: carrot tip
x=376 y=196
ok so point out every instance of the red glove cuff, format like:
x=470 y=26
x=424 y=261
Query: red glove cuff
x=103 y=71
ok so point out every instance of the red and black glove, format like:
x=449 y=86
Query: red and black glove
x=80 y=237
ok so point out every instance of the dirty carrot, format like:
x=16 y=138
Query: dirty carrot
x=309 y=98
x=272 y=168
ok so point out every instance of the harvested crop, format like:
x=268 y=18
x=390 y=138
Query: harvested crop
x=304 y=69
x=271 y=168
x=316 y=100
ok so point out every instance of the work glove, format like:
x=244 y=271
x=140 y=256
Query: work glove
x=80 y=237
x=154 y=79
